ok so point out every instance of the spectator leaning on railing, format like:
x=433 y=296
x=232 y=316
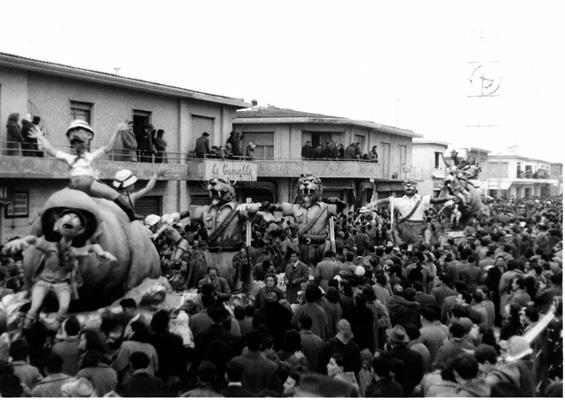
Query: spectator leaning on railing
x=14 y=134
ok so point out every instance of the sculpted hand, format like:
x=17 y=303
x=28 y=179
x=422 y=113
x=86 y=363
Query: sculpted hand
x=163 y=170
x=122 y=126
x=35 y=132
x=108 y=256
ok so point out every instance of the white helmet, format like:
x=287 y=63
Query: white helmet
x=124 y=178
x=80 y=124
x=151 y=220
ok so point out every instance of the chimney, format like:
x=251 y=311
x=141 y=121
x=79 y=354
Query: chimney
x=254 y=103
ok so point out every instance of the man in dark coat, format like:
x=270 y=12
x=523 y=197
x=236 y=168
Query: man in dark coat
x=141 y=383
x=202 y=145
x=401 y=310
x=276 y=317
x=410 y=369
x=259 y=374
x=14 y=135
x=307 y=150
x=234 y=374
x=169 y=347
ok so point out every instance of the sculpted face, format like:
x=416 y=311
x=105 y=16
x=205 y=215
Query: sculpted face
x=410 y=188
x=309 y=189
x=220 y=191
x=69 y=225
x=79 y=137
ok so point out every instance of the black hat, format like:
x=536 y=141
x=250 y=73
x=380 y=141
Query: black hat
x=205 y=134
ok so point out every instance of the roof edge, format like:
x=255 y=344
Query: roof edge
x=51 y=68
x=332 y=121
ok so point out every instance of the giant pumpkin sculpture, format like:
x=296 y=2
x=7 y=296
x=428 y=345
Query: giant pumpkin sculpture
x=103 y=281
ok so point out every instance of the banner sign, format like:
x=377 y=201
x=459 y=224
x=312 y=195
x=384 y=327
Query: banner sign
x=232 y=170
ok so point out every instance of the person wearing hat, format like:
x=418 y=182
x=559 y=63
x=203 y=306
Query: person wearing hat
x=83 y=172
x=58 y=272
x=410 y=369
x=202 y=145
x=124 y=182
x=411 y=207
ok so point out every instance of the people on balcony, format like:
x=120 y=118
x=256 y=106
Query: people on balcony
x=14 y=135
x=29 y=145
x=202 y=145
x=307 y=150
x=160 y=146
x=250 y=151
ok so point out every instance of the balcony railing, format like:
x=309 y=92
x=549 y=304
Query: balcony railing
x=26 y=161
x=18 y=161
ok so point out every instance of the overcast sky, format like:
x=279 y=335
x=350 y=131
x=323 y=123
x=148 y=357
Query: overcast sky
x=401 y=63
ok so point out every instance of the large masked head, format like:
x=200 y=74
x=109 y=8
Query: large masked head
x=410 y=188
x=309 y=189
x=220 y=191
x=79 y=132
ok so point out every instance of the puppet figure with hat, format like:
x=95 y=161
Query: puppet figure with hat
x=411 y=206
x=58 y=269
x=81 y=164
x=124 y=182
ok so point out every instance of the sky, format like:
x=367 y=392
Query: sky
x=419 y=65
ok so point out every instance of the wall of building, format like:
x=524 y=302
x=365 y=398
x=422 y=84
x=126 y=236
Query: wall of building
x=423 y=157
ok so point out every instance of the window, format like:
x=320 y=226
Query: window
x=80 y=110
x=403 y=152
x=437 y=158
x=18 y=206
x=264 y=144
x=149 y=205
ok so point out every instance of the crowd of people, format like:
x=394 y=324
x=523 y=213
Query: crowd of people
x=233 y=149
x=443 y=317
x=145 y=145
x=334 y=151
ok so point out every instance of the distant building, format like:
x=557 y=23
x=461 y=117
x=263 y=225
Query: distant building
x=428 y=156
x=279 y=135
x=514 y=176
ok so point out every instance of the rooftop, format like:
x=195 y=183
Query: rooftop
x=83 y=74
x=276 y=115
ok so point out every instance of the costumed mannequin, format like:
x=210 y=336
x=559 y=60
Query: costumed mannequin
x=83 y=174
x=58 y=270
x=224 y=220
x=124 y=182
x=411 y=207
x=312 y=216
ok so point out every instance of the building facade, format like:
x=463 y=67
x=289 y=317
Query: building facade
x=59 y=93
x=515 y=177
x=280 y=135
x=428 y=156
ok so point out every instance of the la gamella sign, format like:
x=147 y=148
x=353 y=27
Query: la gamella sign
x=233 y=170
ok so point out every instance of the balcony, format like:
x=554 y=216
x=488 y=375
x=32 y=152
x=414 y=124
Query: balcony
x=29 y=164
x=320 y=168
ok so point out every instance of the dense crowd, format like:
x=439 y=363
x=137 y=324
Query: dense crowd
x=451 y=316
